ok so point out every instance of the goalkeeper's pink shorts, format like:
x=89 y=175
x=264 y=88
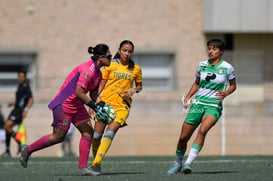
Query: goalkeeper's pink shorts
x=62 y=119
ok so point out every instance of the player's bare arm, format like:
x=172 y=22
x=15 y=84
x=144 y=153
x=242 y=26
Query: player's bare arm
x=230 y=90
x=132 y=91
x=138 y=87
x=192 y=91
x=81 y=94
x=11 y=104
x=28 y=106
x=102 y=85
x=95 y=97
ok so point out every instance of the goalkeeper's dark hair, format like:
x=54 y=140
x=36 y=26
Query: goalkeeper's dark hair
x=131 y=64
x=217 y=43
x=98 y=50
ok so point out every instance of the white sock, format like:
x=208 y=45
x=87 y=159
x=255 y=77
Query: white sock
x=192 y=156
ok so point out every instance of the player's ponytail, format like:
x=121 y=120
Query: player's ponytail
x=90 y=50
x=98 y=50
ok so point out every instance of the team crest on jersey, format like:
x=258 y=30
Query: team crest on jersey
x=86 y=75
x=65 y=123
x=221 y=71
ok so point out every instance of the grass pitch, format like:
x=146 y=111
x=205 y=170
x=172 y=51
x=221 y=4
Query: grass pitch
x=206 y=168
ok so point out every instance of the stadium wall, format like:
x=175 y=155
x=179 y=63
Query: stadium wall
x=60 y=32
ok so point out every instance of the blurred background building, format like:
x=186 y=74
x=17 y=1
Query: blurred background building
x=49 y=38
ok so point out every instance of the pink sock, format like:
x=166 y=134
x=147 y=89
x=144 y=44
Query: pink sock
x=84 y=148
x=39 y=144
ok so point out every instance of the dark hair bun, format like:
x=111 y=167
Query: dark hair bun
x=90 y=50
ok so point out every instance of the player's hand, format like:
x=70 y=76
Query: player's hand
x=221 y=95
x=98 y=108
x=10 y=104
x=129 y=93
x=95 y=106
x=186 y=103
x=24 y=114
x=91 y=112
x=100 y=113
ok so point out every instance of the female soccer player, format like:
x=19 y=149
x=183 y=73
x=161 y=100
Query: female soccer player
x=68 y=107
x=212 y=77
x=117 y=85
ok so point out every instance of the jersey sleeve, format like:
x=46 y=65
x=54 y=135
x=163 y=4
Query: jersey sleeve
x=138 y=75
x=84 y=77
x=29 y=93
x=106 y=73
x=231 y=73
x=197 y=73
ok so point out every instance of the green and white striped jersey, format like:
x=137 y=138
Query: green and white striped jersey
x=212 y=79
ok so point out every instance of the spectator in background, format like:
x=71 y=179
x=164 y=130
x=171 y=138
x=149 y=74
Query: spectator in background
x=22 y=104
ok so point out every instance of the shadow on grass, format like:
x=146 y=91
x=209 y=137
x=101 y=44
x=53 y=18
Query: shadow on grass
x=123 y=173
x=214 y=172
x=107 y=173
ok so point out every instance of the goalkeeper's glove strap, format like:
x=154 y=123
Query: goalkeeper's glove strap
x=92 y=105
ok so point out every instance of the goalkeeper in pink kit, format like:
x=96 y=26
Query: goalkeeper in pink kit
x=68 y=107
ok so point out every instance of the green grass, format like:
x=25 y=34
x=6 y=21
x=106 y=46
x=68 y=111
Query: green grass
x=206 y=168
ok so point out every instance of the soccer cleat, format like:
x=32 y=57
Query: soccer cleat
x=96 y=171
x=174 y=169
x=24 y=156
x=84 y=171
x=186 y=169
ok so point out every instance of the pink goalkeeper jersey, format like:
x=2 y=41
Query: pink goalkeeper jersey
x=86 y=75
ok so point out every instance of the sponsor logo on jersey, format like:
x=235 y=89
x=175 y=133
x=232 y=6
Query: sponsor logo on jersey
x=122 y=75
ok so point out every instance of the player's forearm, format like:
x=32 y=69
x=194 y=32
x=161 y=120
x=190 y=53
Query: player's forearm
x=192 y=91
x=138 y=89
x=81 y=95
x=94 y=96
x=29 y=104
x=101 y=86
x=230 y=90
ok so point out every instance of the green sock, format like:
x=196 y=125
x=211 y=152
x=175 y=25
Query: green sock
x=179 y=157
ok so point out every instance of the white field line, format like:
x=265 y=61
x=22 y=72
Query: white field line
x=138 y=162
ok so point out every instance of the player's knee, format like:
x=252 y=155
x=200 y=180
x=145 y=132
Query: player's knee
x=182 y=142
x=109 y=134
x=56 y=138
x=202 y=132
x=8 y=128
x=97 y=135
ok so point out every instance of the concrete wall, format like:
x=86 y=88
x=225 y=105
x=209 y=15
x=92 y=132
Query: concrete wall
x=61 y=31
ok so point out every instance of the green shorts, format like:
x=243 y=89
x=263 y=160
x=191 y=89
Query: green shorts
x=197 y=112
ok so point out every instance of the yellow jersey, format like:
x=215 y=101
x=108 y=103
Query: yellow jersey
x=119 y=80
